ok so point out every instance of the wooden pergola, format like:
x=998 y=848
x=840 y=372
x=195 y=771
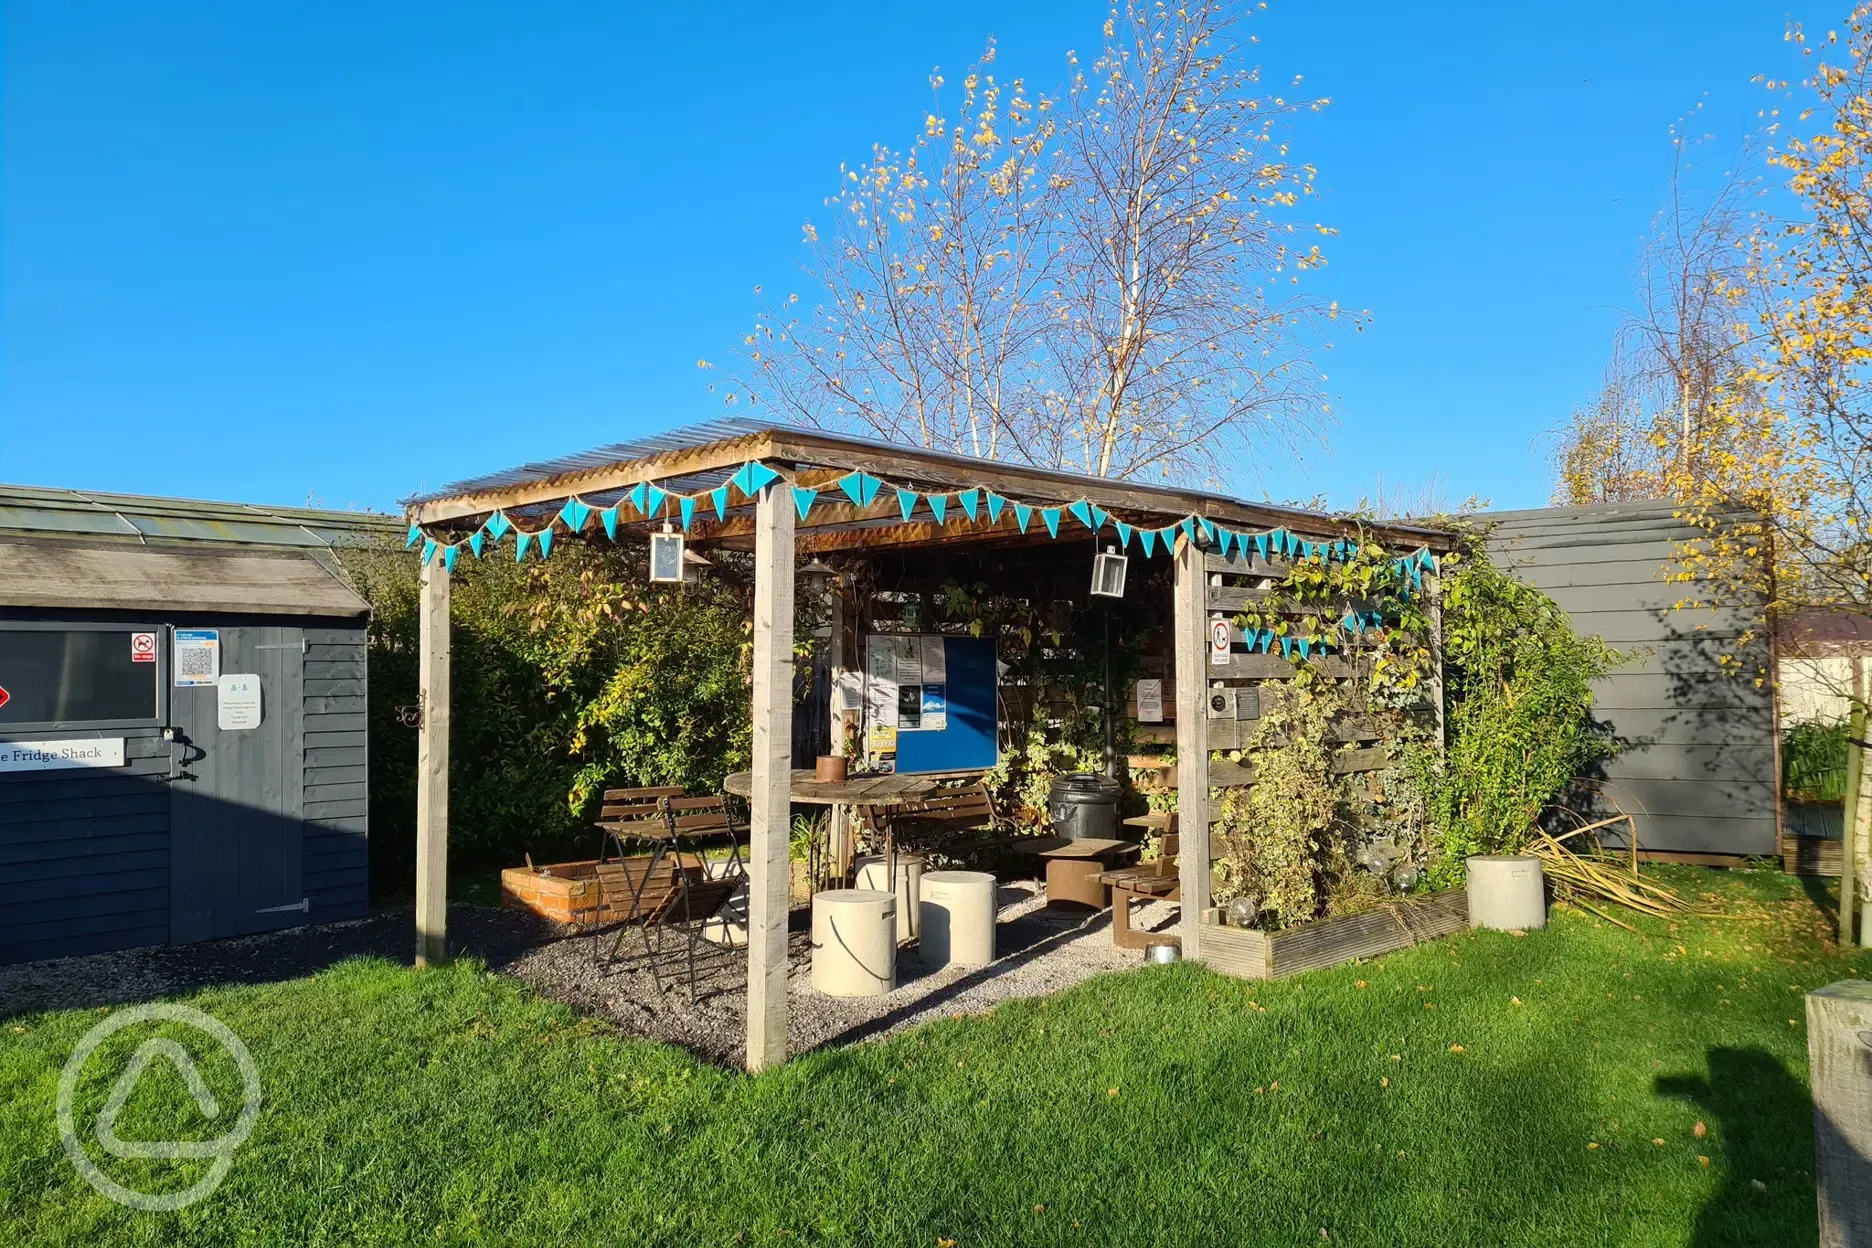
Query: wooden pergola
x=784 y=492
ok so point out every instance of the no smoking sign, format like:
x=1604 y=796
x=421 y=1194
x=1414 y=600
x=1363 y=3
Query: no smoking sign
x=142 y=647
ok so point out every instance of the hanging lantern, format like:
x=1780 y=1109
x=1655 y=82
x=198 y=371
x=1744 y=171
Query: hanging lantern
x=666 y=555
x=1108 y=573
x=816 y=577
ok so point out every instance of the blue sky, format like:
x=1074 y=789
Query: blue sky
x=345 y=251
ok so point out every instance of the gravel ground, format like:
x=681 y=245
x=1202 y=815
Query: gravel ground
x=1040 y=952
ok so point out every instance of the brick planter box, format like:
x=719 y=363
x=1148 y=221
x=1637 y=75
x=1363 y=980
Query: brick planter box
x=1254 y=954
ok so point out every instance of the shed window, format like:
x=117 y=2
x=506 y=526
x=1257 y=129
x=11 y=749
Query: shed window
x=74 y=676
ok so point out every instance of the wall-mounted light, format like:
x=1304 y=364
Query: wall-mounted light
x=666 y=555
x=1108 y=573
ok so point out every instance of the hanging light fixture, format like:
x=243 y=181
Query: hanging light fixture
x=817 y=576
x=1108 y=573
x=666 y=555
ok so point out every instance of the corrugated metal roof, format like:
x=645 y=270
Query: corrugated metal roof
x=705 y=434
x=37 y=511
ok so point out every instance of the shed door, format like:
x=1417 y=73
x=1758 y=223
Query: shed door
x=237 y=841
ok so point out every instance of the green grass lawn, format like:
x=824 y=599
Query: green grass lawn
x=1487 y=1089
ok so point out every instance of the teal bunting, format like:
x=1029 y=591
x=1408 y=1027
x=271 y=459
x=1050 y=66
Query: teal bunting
x=719 y=496
x=545 y=541
x=1188 y=526
x=1208 y=528
x=476 y=542
x=686 y=506
x=971 y=503
x=497 y=525
x=1227 y=541
x=429 y=549
x=415 y=532
x=1082 y=512
x=637 y=496
x=1306 y=648
x=760 y=476
x=741 y=480
x=1022 y=514
x=448 y=559
x=575 y=513
x=939 y=506
x=906 y=503
x=995 y=506
x=1261 y=545
x=1286 y=647
x=1052 y=517
x=1099 y=517
x=653 y=500
x=803 y=500
x=1124 y=534
x=861 y=487
x=1149 y=539
x=609 y=518
x=520 y=546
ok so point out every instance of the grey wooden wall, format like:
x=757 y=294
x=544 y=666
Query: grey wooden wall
x=1698 y=765
x=86 y=857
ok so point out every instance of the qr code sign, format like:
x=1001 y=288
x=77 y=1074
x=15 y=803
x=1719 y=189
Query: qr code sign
x=194 y=661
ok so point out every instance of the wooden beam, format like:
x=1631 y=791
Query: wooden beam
x=1192 y=724
x=432 y=758
x=1839 y=1025
x=773 y=765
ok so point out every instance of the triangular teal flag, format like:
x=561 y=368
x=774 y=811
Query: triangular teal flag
x=448 y=559
x=1022 y=514
x=1149 y=538
x=803 y=500
x=1280 y=542
x=760 y=476
x=853 y=485
x=545 y=539
x=476 y=542
x=1189 y=527
x=1124 y=534
x=415 y=531
x=1353 y=622
x=520 y=546
x=1306 y=648
x=1286 y=647
x=653 y=500
x=870 y=485
x=608 y=517
x=741 y=478
x=1082 y=512
x=1226 y=540
x=939 y=506
x=1168 y=538
x=429 y=549
x=1099 y=517
x=1052 y=516
x=971 y=502
x=497 y=525
x=637 y=495
x=574 y=513
x=1261 y=545
x=719 y=496
x=906 y=503
x=995 y=505
x=686 y=505
x=1208 y=527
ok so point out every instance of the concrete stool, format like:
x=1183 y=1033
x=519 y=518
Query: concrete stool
x=1506 y=892
x=854 y=942
x=958 y=918
x=873 y=874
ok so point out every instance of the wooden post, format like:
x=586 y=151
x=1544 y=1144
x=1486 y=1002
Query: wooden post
x=1849 y=823
x=1192 y=729
x=432 y=759
x=773 y=765
x=1839 y=1059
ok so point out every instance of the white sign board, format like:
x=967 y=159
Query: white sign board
x=1150 y=701
x=1218 y=643
x=197 y=656
x=237 y=702
x=935 y=660
x=59 y=755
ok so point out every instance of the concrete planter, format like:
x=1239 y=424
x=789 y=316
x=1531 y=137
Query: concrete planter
x=1507 y=892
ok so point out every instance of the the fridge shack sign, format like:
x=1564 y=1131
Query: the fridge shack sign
x=56 y=755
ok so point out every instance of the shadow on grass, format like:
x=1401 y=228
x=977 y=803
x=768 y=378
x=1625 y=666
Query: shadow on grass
x=1755 y=1107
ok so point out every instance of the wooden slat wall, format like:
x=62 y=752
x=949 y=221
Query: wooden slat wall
x=84 y=856
x=337 y=857
x=1698 y=769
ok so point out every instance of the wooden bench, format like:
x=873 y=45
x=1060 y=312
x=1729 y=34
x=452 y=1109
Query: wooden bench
x=1155 y=880
x=943 y=820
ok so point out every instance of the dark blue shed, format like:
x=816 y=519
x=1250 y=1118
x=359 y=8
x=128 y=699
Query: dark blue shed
x=183 y=733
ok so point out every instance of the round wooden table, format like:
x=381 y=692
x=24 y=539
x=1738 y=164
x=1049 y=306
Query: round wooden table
x=868 y=793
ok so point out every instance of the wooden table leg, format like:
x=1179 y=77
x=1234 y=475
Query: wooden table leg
x=1124 y=936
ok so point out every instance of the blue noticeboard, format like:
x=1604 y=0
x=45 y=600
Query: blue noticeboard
x=968 y=739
